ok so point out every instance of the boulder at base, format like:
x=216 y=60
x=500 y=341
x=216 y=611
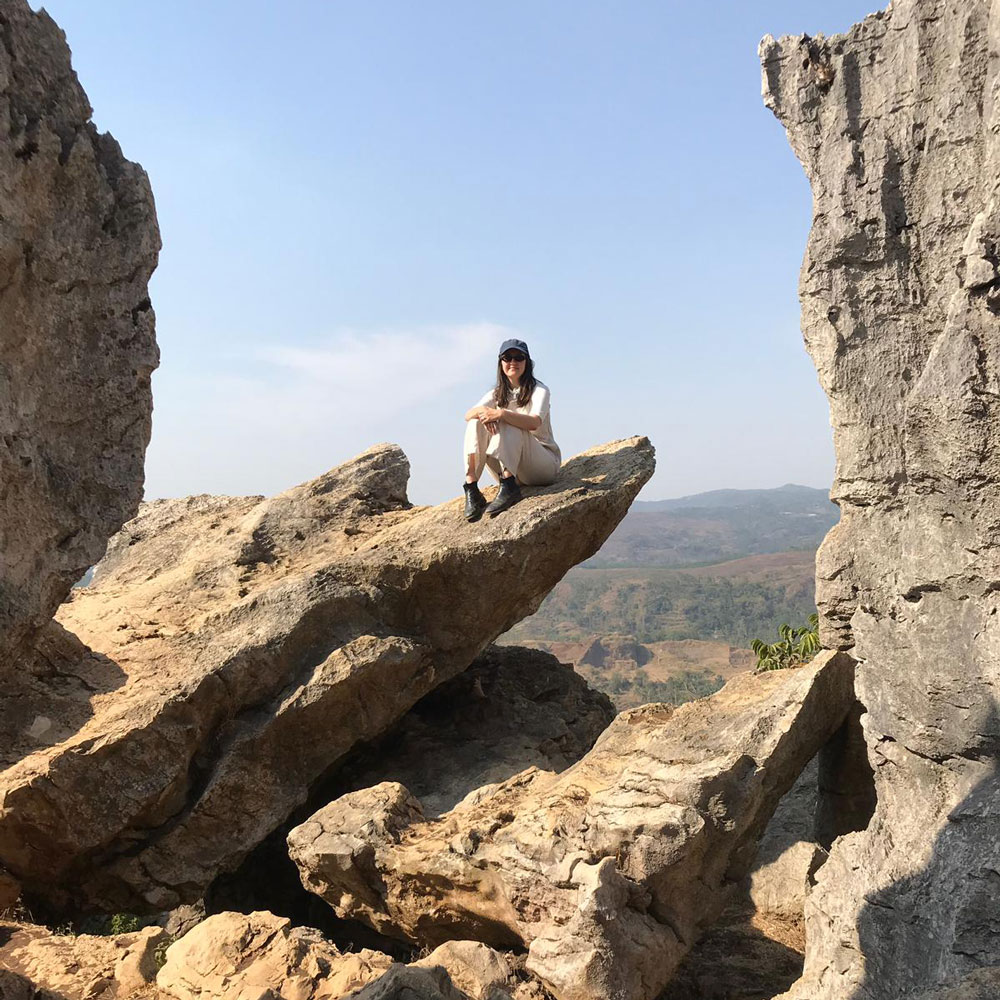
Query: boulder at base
x=232 y=649
x=237 y=956
x=607 y=872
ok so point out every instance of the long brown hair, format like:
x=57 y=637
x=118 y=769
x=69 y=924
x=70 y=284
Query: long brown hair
x=504 y=390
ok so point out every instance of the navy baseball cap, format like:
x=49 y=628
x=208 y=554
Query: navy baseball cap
x=514 y=345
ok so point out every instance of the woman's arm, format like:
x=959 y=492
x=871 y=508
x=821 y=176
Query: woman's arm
x=493 y=414
x=526 y=421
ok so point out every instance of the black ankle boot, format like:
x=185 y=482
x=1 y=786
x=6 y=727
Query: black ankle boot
x=509 y=494
x=475 y=502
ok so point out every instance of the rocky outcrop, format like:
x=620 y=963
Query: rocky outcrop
x=513 y=708
x=607 y=872
x=897 y=124
x=78 y=244
x=236 y=648
x=237 y=956
x=457 y=970
x=604 y=651
x=245 y=956
x=754 y=950
x=36 y=964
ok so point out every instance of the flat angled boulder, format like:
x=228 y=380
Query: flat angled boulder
x=78 y=243
x=607 y=872
x=231 y=649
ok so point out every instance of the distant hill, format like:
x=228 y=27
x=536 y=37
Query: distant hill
x=667 y=608
x=787 y=497
x=731 y=602
x=718 y=526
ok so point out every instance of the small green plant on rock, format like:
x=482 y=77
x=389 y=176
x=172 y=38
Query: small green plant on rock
x=160 y=953
x=124 y=923
x=794 y=647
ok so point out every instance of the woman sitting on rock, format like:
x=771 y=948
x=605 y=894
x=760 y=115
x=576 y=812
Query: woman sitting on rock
x=509 y=431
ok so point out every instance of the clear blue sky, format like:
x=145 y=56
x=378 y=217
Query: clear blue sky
x=359 y=198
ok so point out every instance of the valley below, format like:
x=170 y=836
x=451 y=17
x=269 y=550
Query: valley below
x=672 y=633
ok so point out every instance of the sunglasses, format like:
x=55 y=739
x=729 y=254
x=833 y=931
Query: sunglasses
x=512 y=358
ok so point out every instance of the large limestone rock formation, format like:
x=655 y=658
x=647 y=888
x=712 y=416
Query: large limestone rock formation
x=237 y=647
x=78 y=243
x=897 y=124
x=607 y=872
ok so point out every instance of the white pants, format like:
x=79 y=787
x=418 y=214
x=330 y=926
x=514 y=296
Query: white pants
x=518 y=451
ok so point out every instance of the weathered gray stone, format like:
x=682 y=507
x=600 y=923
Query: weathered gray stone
x=238 y=647
x=78 y=243
x=983 y=984
x=897 y=124
x=607 y=872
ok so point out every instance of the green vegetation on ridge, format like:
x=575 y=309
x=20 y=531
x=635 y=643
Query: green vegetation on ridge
x=658 y=604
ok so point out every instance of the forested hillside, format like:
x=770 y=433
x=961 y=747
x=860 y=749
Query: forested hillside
x=719 y=526
x=730 y=602
x=662 y=613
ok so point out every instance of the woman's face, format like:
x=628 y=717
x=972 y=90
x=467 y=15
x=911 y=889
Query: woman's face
x=513 y=366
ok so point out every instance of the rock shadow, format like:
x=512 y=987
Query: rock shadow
x=14 y=986
x=513 y=708
x=942 y=923
x=735 y=960
x=54 y=697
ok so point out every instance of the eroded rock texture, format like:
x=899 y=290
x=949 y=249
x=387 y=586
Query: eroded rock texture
x=37 y=964
x=897 y=124
x=258 y=956
x=238 y=956
x=78 y=243
x=513 y=708
x=606 y=872
x=238 y=647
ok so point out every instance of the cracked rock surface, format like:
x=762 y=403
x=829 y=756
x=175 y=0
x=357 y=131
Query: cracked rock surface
x=606 y=872
x=78 y=243
x=232 y=649
x=237 y=956
x=897 y=124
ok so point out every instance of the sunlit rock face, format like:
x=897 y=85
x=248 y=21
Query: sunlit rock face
x=78 y=243
x=897 y=124
x=606 y=873
x=232 y=649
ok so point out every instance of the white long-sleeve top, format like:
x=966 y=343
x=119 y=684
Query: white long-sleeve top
x=538 y=406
